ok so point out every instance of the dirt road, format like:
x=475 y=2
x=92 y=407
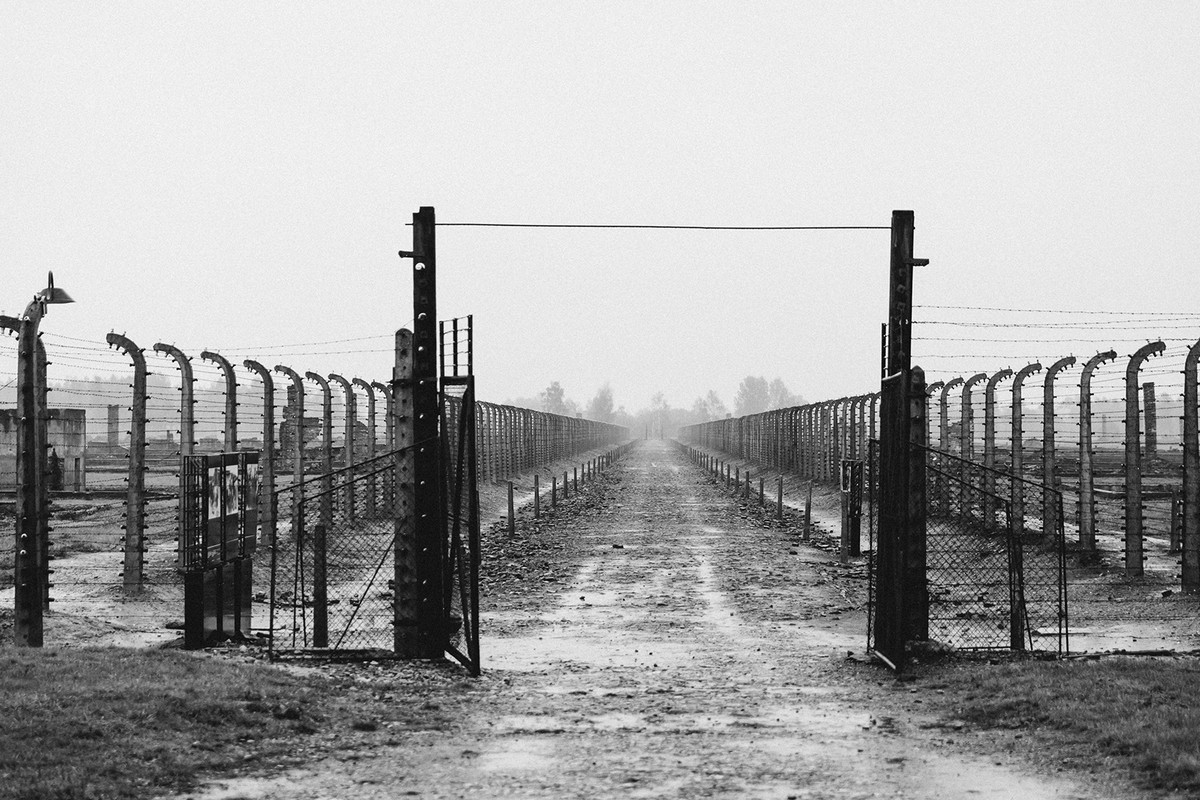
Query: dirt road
x=658 y=642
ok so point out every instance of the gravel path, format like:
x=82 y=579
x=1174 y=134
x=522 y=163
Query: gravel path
x=657 y=640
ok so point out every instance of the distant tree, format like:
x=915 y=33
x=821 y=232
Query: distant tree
x=601 y=406
x=709 y=407
x=753 y=396
x=553 y=399
x=781 y=397
x=716 y=408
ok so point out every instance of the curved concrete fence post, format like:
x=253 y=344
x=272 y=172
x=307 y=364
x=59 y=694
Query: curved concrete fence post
x=348 y=461
x=1087 y=496
x=187 y=430
x=1017 y=445
x=135 y=493
x=1134 y=566
x=967 y=443
x=989 y=445
x=942 y=494
x=372 y=438
x=266 y=465
x=231 y=437
x=1051 y=511
x=1191 y=474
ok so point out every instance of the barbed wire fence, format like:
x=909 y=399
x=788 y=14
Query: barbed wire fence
x=1113 y=443
x=105 y=573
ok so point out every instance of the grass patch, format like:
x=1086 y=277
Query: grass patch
x=1139 y=715
x=112 y=723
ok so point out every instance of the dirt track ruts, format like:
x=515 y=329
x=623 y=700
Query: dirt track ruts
x=658 y=643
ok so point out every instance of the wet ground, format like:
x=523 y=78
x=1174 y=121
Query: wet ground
x=661 y=639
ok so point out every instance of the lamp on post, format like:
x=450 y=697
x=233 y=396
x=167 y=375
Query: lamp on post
x=30 y=567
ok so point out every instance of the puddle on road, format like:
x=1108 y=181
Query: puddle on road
x=517 y=755
x=1104 y=637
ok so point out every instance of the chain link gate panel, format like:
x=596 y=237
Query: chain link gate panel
x=460 y=493
x=995 y=581
x=331 y=566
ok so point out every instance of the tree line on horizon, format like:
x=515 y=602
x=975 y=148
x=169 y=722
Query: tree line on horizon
x=754 y=395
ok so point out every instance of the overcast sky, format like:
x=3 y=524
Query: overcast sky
x=237 y=177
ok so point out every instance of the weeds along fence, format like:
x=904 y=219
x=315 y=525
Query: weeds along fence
x=120 y=416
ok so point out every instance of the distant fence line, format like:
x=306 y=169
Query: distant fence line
x=1156 y=481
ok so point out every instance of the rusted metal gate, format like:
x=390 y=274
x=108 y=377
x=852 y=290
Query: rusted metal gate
x=993 y=579
x=460 y=493
x=332 y=561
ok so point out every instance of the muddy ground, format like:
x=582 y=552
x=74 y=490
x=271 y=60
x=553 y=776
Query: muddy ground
x=658 y=638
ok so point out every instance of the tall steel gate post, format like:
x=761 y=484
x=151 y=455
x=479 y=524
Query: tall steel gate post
x=1050 y=502
x=426 y=470
x=351 y=414
x=1087 y=497
x=1191 y=474
x=266 y=464
x=989 y=445
x=902 y=605
x=30 y=572
x=408 y=593
x=1133 y=460
x=231 y=438
x=187 y=431
x=1018 y=445
x=917 y=556
x=135 y=493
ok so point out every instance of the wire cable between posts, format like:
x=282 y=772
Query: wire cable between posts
x=664 y=227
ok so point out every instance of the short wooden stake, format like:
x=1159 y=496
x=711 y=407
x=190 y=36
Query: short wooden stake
x=512 y=518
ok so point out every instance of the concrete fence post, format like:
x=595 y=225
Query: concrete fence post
x=187 y=432
x=231 y=437
x=135 y=495
x=1018 y=444
x=1191 y=473
x=320 y=539
x=1050 y=505
x=967 y=437
x=371 y=443
x=989 y=446
x=1087 y=497
x=266 y=506
x=351 y=418
x=1134 y=566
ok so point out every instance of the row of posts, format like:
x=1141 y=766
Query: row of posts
x=510 y=440
x=572 y=482
x=811 y=440
x=134 y=539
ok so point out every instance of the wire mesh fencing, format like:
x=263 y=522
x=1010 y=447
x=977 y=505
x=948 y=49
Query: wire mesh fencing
x=994 y=579
x=332 y=561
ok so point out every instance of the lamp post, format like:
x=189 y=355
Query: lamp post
x=29 y=573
